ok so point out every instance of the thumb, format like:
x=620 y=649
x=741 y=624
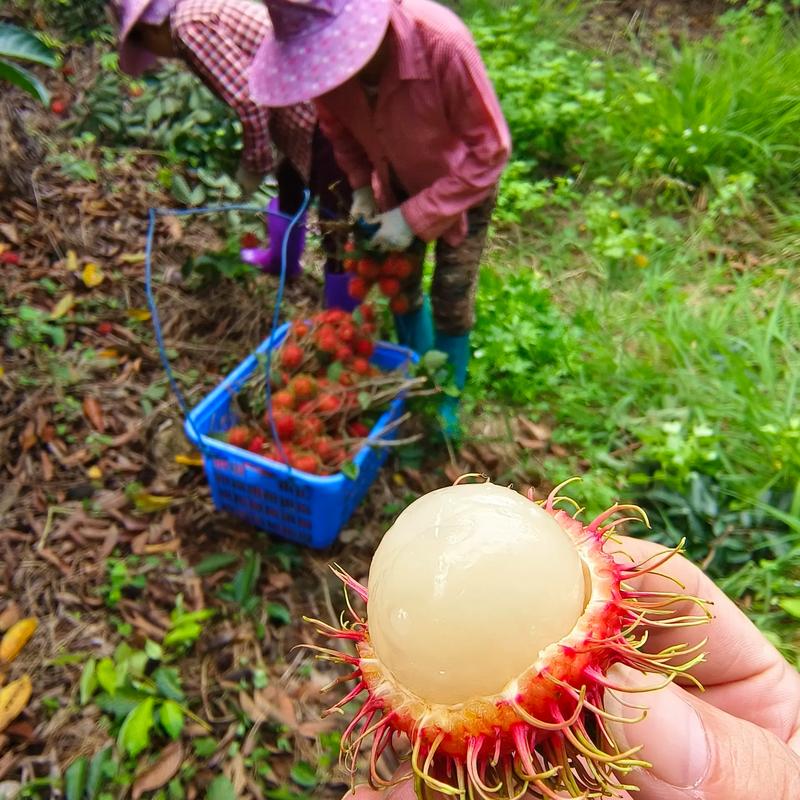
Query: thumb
x=697 y=751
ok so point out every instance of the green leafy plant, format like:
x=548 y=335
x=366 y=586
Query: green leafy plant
x=208 y=269
x=139 y=689
x=120 y=580
x=28 y=326
x=197 y=137
x=17 y=44
x=241 y=591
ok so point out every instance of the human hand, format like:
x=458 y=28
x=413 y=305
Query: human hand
x=739 y=739
x=248 y=180
x=394 y=234
x=364 y=204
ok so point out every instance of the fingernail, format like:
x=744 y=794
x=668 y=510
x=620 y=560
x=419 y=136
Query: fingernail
x=672 y=736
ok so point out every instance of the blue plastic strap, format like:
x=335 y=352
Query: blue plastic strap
x=153 y=214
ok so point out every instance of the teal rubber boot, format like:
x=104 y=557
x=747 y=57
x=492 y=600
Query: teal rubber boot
x=415 y=329
x=458 y=351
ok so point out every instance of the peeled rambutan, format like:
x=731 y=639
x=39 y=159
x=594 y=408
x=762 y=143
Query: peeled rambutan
x=492 y=621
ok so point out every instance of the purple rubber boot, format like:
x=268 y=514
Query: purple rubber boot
x=268 y=260
x=336 y=294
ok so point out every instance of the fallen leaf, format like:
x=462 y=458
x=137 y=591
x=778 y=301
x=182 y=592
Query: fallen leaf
x=16 y=638
x=536 y=430
x=132 y=258
x=174 y=227
x=109 y=352
x=10 y=232
x=13 y=699
x=72 y=261
x=148 y=503
x=27 y=438
x=92 y=275
x=64 y=305
x=189 y=461
x=47 y=466
x=94 y=413
x=161 y=772
x=9 y=616
x=139 y=314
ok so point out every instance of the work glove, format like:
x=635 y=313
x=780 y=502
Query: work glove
x=364 y=205
x=248 y=180
x=393 y=234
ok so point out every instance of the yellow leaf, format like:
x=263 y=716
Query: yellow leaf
x=72 y=261
x=64 y=305
x=94 y=473
x=148 y=503
x=109 y=352
x=189 y=461
x=15 y=638
x=139 y=314
x=92 y=275
x=132 y=258
x=13 y=699
x=2 y=371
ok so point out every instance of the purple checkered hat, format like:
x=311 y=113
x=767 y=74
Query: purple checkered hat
x=133 y=59
x=317 y=45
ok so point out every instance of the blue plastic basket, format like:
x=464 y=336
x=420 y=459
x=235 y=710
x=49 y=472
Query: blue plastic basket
x=307 y=509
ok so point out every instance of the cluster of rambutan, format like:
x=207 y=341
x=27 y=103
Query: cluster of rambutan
x=320 y=380
x=387 y=271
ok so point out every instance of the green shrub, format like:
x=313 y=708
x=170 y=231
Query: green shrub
x=547 y=90
x=196 y=135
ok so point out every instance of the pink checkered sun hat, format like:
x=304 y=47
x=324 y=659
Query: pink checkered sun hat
x=133 y=59
x=317 y=45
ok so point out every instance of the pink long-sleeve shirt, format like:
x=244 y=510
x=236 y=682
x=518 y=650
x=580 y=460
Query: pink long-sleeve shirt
x=436 y=122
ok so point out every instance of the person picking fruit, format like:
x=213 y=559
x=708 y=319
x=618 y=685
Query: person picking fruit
x=403 y=95
x=217 y=40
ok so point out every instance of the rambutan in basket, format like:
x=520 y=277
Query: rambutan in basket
x=307 y=509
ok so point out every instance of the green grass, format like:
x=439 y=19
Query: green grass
x=727 y=103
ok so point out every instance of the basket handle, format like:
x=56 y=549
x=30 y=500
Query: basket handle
x=153 y=214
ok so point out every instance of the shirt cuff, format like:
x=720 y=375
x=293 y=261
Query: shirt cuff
x=359 y=177
x=419 y=219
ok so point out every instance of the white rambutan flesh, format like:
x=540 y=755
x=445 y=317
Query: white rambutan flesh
x=470 y=584
x=491 y=623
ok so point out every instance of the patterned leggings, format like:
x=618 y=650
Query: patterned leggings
x=455 y=275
